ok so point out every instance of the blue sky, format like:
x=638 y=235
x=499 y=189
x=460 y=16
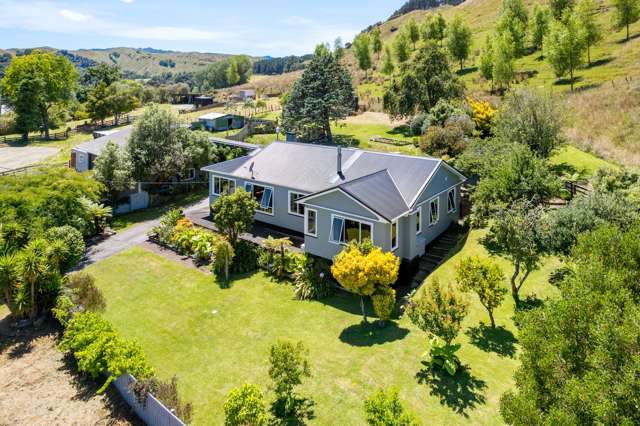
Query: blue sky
x=268 y=27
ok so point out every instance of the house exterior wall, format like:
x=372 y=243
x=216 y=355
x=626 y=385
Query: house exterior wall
x=281 y=216
x=82 y=161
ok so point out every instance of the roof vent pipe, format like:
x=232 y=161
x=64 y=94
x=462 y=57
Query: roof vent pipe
x=339 y=166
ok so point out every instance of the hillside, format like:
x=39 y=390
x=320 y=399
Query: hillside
x=605 y=106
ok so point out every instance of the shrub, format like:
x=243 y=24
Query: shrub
x=86 y=294
x=482 y=114
x=384 y=408
x=223 y=255
x=449 y=140
x=168 y=223
x=99 y=349
x=417 y=124
x=73 y=245
x=384 y=303
x=442 y=111
x=245 y=407
x=312 y=281
x=165 y=392
x=288 y=366
x=246 y=257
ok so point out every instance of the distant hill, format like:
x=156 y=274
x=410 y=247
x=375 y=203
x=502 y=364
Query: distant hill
x=412 y=5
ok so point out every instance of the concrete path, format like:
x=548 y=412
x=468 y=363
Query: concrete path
x=128 y=238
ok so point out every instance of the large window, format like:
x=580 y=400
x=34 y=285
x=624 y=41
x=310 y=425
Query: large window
x=451 y=201
x=419 y=220
x=223 y=186
x=296 y=208
x=394 y=235
x=311 y=222
x=345 y=230
x=263 y=195
x=434 y=211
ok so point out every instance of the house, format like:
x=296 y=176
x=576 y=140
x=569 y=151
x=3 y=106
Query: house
x=247 y=94
x=84 y=155
x=216 y=121
x=336 y=195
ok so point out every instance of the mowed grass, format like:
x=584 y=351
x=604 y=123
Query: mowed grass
x=214 y=339
x=580 y=162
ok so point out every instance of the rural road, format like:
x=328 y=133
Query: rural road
x=128 y=238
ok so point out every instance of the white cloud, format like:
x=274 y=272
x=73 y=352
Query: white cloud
x=74 y=16
x=127 y=1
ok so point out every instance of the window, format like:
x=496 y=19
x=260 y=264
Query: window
x=263 y=195
x=451 y=201
x=434 y=211
x=345 y=230
x=394 y=235
x=189 y=175
x=223 y=186
x=310 y=223
x=419 y=220
x=295 y=208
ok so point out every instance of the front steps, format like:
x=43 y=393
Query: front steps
x=436 y=252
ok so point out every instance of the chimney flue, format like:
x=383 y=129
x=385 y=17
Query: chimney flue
x=339 y=165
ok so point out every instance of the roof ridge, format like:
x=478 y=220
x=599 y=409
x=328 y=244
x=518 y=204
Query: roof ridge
x=397 y=188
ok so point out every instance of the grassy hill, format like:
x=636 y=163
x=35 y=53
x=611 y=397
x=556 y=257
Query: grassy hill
x=601 y=114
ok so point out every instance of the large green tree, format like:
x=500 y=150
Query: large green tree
x=421 y=83
x=565 y=46
x=35 y=84
x=504 y=54
x=539 y=24
x=580 y=352
x=413 y=31
x=459 y=40
x=362 y=51
x=124 y=97
x=401 y=47
x=434 y=28
x=114 y=170
x=376 y=42
x=323 y=93
x=626 y=13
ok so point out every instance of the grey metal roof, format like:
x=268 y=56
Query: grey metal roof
x=237 y=144
x=313 y=168
x=95 y=147
x=378 y=192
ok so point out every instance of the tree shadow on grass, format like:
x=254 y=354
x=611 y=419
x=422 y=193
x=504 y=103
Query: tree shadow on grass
x=498 y=340
x=461 y=392
x=466 y=71
x=303 y=409
x=345 y=140
x=567 y=81
x=403 y=130
x=371 y=334
x=600 y=62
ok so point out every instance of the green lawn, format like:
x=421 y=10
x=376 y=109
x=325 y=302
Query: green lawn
x=214 y=339
x=581 y=162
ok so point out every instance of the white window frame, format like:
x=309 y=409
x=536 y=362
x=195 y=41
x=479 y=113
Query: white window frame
x=437 y=201
x=455 y=204
x=294 y=213
x=273 y=196
x=394 y=223
x=345 y=218
x=213 y=185
x=306 y=222
x=419 y=220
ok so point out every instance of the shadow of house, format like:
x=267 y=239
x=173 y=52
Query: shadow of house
x=461 y=392
x=499 y=340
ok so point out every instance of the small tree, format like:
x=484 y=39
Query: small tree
x=626 y=13
x=487 y=60
x=114 y=170
x=483 y=278
x=516 y=235
x=98 y=103
x=435 y=28
x=362 y=51
x=245 y=407
x=586 y=12
x=384 y=408
x=514 y=21
x=124 y=97
x=439 y=311
x=363 y=272
x=401 y=47
x=288 y=365
x=413 y=30
x=223 y=254
x=504 y=60
x=459 y=40
x=539 y=24
x=387 y=61
x=233 y=214
x=559 y=7
x=278 y=247
x=564 y=46
x=376 y=42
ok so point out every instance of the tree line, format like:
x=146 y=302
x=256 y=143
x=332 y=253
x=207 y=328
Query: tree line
x=273 y=66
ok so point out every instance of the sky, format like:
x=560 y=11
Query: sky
x=254 y=27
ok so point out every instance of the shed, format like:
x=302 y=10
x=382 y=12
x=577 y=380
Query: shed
x=217 y=121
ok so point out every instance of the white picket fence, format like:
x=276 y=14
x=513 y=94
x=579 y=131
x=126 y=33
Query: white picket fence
x=153 y=413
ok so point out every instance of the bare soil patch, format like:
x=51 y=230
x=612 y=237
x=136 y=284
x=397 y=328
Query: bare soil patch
x=371 y=117
x=41 y=386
